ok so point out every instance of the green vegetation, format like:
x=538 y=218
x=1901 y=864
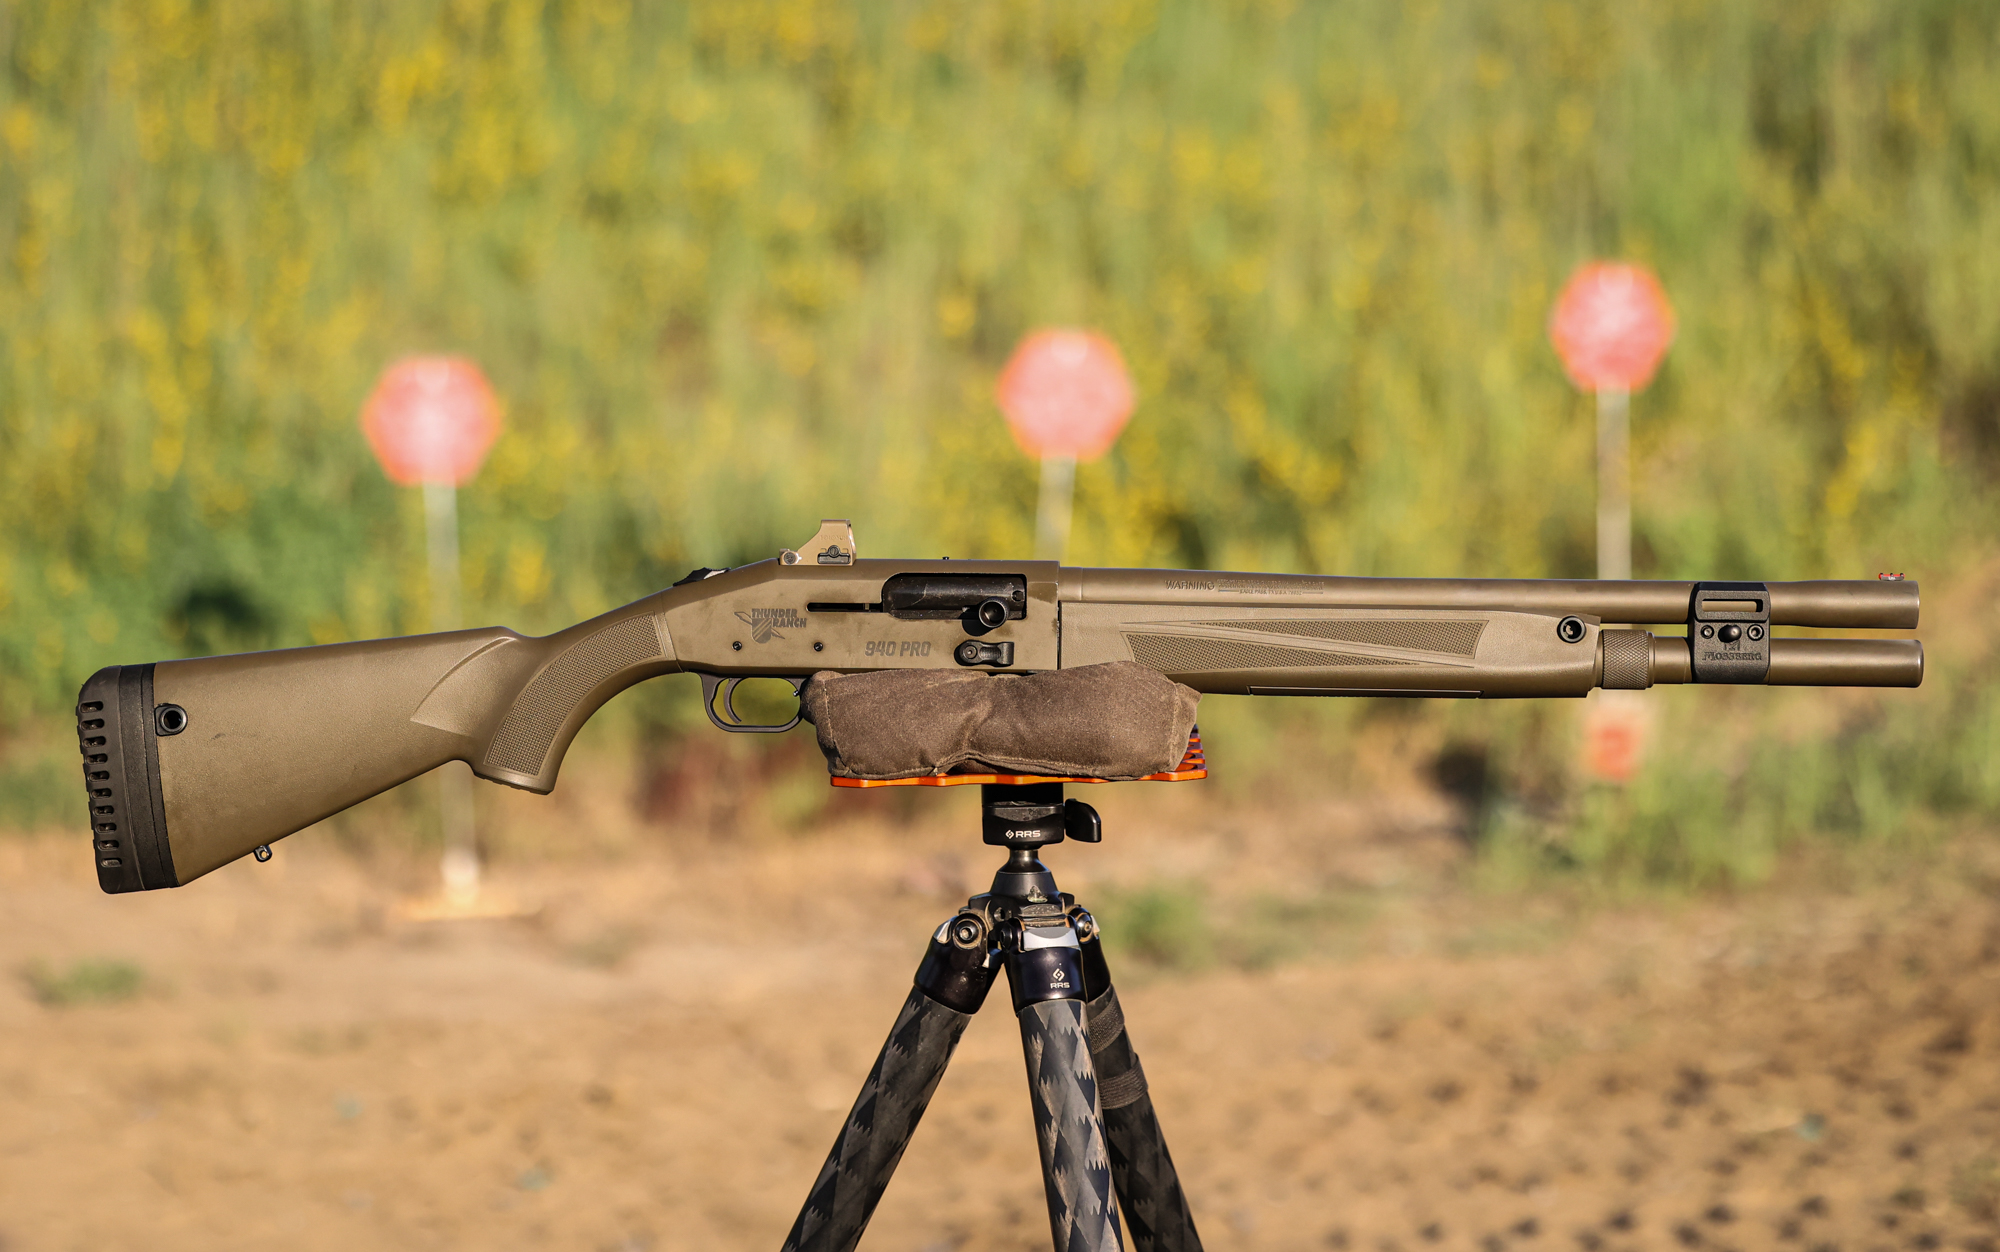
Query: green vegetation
x=84 y=982
x=739 y=264
x=1187 y=927
x=1160 y=925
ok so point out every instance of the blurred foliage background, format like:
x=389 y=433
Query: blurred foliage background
x=736 y=265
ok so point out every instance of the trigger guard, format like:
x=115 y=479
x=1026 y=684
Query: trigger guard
x=710 y=683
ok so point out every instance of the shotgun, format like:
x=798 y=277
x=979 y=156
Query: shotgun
x=192 y=764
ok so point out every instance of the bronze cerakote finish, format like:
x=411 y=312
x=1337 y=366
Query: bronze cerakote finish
x=201 y=761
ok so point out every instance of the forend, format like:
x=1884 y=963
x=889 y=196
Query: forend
x=190 y=764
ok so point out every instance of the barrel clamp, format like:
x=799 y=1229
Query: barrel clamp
x=1729 y=632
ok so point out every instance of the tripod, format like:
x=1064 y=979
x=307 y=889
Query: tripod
x=1095 y=1121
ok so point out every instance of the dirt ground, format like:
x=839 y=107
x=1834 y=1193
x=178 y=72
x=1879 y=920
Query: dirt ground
x=1351 y=1045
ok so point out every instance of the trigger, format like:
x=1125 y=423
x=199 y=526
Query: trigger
x=728 y=719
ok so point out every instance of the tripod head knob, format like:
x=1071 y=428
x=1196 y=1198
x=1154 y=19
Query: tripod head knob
x=1081 y=822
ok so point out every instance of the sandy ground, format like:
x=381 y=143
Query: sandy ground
x=1358 y=1050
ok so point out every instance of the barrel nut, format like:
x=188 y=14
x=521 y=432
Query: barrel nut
x=1626 y=660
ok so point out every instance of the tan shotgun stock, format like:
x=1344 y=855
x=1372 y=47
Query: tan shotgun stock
x=192 y=764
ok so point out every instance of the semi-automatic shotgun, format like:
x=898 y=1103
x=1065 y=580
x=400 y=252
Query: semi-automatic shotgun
x=192 y=764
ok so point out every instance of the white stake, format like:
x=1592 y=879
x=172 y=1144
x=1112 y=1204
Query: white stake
x=1052 y=509
x=1616 y=723
x=460 y=864
x=1614 y=483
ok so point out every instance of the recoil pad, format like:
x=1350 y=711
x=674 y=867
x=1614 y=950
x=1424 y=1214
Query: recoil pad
x=116 y=732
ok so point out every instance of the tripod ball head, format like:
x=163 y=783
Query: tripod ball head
x=1034 y=815
x=1025 y=816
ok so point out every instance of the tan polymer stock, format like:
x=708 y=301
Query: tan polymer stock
x=192 y=764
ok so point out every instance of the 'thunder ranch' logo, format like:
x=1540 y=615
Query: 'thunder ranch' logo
x=767 y=624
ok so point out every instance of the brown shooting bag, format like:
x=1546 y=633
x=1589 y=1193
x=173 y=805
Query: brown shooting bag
x=1118 y=721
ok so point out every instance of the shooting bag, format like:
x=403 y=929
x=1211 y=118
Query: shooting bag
x=1119 y=720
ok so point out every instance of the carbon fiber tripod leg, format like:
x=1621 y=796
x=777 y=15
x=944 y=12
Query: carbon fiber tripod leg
x=893 y=1099
x=1076 y=1169
x=1149 y=1188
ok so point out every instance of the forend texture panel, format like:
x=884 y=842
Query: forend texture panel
x=531 y=725
x=1180 y=654
x=1454 y=638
